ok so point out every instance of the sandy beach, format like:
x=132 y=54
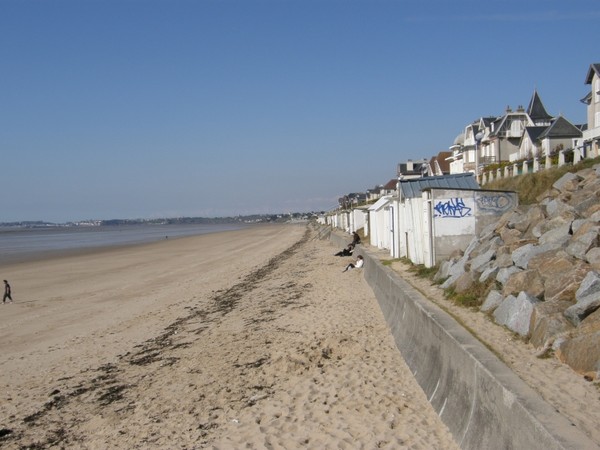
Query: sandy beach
x=243 y=339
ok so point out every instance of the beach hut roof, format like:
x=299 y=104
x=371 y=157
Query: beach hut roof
x=414 y=187
x=380 y=203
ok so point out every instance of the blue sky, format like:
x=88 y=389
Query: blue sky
x=165 y=108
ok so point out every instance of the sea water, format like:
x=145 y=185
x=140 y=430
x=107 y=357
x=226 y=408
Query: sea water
x=25 y=244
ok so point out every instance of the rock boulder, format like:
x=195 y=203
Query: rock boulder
x=515 y=312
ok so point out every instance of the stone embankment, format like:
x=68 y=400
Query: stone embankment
x=542 y=262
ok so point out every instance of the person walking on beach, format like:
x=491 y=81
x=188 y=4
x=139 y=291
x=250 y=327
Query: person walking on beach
x=7 y=292
x=357 y=265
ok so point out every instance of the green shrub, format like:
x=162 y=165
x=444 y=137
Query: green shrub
x=474 y=297
x=424 y=272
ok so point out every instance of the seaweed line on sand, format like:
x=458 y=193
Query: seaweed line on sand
x=107 y=387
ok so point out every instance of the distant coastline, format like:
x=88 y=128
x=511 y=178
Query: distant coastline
x=19 y=244
x=245 y=219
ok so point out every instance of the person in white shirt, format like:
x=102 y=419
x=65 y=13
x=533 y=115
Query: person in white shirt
x=357 y=265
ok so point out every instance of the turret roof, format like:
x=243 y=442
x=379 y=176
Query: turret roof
x=536 y=110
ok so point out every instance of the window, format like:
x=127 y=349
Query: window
x=516 y=128
x=597 y=90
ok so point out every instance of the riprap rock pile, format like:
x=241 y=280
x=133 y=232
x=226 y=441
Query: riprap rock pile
x=544 y=261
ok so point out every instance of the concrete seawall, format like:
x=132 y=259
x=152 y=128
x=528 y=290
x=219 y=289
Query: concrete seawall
x=483 y=403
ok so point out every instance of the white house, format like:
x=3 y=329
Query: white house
x=529 y=147
x=411 y=169
x=591 y=136
x=558 y=136
x=490 y=140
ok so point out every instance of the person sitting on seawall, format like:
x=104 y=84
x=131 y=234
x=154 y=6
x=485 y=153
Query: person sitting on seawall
x=346 y=252
x=357 y=265
x=355 y=238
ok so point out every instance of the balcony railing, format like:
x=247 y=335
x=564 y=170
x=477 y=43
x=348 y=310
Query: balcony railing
x=487 y=160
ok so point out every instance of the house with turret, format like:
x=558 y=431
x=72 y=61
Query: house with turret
x=506 y=132
x=523 y=133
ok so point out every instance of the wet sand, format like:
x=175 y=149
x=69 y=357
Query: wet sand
x=242 y=339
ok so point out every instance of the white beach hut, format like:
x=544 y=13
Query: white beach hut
x=380 y=223
x=435 y=216
x=358 y=219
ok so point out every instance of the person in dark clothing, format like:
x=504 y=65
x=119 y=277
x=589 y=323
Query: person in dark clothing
x=7 y=292
x=355 y=238
x=346 y=252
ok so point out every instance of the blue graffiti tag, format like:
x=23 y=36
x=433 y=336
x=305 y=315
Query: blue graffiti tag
x=453 y=208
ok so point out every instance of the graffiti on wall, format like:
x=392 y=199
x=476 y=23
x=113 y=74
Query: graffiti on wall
x=497 y=202
x=452 y=208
